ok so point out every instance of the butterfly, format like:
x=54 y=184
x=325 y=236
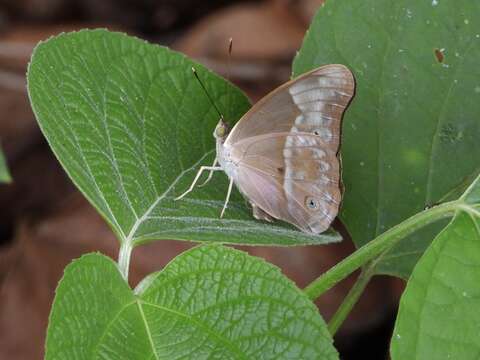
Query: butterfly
x=283 y=154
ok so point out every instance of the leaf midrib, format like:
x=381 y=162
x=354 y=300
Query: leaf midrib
x=147 y=329
x=131 y=235
x=440 y=119
x=227 y=343
x=139 y=220
x=139 y=302
x=470 y=210
x=472 y=215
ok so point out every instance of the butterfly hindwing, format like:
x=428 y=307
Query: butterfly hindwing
x=298 y=168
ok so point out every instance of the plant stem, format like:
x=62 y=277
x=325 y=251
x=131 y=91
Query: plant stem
x=124 y=258
x=377 y=246
x=351 y=299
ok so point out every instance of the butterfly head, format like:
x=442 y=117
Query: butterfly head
x=221 y=131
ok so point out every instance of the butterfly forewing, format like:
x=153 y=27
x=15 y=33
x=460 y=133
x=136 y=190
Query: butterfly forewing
x=320 y=96
x=286 y=148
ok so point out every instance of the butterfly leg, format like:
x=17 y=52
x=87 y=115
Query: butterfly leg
x=259 y=214
x=210 y=174
x=199 y=173
x=230 y=186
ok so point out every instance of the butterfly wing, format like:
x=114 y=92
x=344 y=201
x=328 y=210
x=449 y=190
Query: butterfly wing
x=315 y=100
x=301 y=186
x=286 y=148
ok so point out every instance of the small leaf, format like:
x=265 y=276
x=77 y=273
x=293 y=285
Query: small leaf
x=439 y=316
x=211 y=302
x=131 y=126
x=410 y=134
x=4 y=174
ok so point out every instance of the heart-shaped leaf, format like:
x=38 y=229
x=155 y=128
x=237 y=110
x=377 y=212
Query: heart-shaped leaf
x=410 y=136
x=439 y=316
x=4 y=174
x=211 y=302
x=131 y=125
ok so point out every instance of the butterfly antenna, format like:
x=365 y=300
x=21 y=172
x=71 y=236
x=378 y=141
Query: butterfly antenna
x=230 y=45
x=206 y=93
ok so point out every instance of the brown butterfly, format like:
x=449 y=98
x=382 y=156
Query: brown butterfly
x=283 y=153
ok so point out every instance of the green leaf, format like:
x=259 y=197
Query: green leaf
x=131 y=126
x=439 y=316
x=211 y=302
x=410 y=134
x=4 y=174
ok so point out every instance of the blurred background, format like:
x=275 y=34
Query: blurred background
x=45 y=222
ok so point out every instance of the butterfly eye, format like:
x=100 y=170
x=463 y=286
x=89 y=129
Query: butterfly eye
x=220 y=131
x=311 y=203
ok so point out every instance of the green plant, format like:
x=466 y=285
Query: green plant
x=4 y=173
x=126 y=122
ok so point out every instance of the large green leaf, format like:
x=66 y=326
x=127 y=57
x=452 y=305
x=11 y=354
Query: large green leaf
x=131 y=125
x=4 y=174
x=439 y=316
x=410 y=135
x=211 y=302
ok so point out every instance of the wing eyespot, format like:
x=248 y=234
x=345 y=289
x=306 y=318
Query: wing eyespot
x=312 y=203
x=324 y=133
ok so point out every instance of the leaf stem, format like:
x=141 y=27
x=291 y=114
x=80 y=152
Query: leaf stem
x=351 y=299
x=377 y=246
x=124 y=258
